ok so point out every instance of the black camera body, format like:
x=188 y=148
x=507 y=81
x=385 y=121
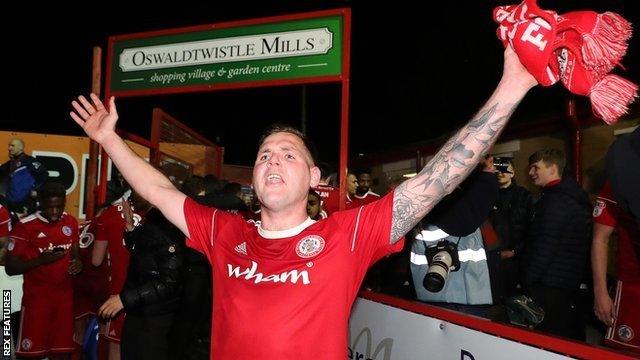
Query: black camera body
x=502 y=164
x=442 y=258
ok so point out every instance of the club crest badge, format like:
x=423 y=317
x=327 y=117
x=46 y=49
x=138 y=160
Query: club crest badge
x=625 y=333
x=66 y=230
x=26 y=344
x=309 y=246
x=597 y=210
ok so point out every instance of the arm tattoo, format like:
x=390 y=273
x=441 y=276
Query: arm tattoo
x=414 y=198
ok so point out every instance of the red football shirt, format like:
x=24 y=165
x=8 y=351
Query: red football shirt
x=606 y=212
x=5 y=222
x=33 y=235
x=92 y=279
x=365 y=199
x=330 y=197
x=287 y=294
x=110 y=228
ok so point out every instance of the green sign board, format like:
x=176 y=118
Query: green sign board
x=275 y=51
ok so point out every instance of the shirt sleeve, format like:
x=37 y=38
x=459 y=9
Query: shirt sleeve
x=204 y=223
x=604 y=211
x=19 y=243
x=5 y=222
x=75 y=233
x=105 y=231
x=369 y=230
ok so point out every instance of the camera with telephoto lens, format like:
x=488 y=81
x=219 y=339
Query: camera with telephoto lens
x=502 y=164
x=442 y=258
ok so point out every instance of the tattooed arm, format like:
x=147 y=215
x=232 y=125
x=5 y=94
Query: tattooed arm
x=414 y=198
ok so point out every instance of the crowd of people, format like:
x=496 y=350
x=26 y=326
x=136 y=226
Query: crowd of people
x=282 y=272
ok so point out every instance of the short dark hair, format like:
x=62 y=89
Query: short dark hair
x=192 y=186
x=232 y=188
x=325 y=169
x=361 y=171
x=314 y=193
x=211 y=184
x=280 y=127
x=52 y=190
x=550 y=157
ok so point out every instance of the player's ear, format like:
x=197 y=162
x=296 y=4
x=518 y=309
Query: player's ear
x=315 y=176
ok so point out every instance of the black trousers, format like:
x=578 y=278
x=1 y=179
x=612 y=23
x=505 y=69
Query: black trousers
x=146 y=337
x=561 y=314
x=191 y=331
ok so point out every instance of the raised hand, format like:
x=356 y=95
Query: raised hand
x=94 y=118
x=514 y=70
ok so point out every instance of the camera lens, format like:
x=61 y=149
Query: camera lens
x=433 y=282
x=438 y=271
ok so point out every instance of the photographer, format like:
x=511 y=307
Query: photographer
x=448 y=258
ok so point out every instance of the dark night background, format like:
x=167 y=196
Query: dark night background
x=415 y=74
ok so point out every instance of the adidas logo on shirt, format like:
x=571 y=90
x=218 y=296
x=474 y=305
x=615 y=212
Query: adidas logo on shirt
x=41 y=235
x=241 y=248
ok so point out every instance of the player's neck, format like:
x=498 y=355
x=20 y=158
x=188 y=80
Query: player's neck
x=283 y=219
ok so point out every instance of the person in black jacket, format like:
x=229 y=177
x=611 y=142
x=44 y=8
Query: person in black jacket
x=557 y=245
x=151 y=291
x=511 y=218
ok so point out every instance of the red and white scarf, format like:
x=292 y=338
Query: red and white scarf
x=579 y=48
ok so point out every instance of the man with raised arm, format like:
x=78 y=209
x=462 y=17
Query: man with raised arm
x=284 y=287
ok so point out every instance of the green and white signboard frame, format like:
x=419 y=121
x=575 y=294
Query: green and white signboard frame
x=306 y=48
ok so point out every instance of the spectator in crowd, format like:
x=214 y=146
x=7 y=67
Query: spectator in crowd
x=193 y=186
x=557 y=245
x=510 y=219
x=191 y=327
x=363 y=194
x=116 y=187
x=314 y=205
x=329 y=195
x=352 y=186
x=11 y=283
x=454 y=225
x=618 y=209
x=25 y=177
x=150 y=295
x=623 y=177
x=44 y=247
x=91 y=286
x=109 y=246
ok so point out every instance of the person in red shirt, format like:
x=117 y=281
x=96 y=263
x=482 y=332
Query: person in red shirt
x=109 y=245
x=363 y=193
x=13 y=284
x=314 y=205
x=90 y=287
x=5 y=228
x=44 y=247
x=622 y=315
x=284 y=288
x=329 y=195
